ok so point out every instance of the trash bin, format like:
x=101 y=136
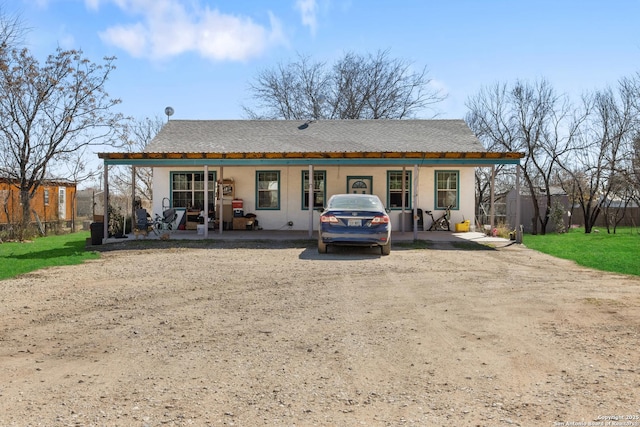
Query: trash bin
x=408 y=220
x=97 y=233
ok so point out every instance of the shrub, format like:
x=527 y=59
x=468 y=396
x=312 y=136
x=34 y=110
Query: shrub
x=557 y=217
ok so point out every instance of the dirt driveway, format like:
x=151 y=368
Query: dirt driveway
x=243 y=334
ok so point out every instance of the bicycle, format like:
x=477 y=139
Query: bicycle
x=442 y=223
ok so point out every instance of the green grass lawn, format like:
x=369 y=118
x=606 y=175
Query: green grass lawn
x=68 y=249
x=618 y=252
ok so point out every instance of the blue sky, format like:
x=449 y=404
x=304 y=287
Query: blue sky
x=198 y=56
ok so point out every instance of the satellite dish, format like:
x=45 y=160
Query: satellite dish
x=169 y=112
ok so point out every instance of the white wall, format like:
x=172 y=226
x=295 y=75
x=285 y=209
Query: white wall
x=291 y=191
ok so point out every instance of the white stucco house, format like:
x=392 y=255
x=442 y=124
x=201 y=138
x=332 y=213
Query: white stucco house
x=409 y=164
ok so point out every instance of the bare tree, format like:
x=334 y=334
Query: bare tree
x=355 y=87
x=615 y=206
x=12 y=31
x=488 y=119
x=630 y=88
x=135 y=137
x=49 y=111
x=597 y=168
x=634 y=169
x=548 y=129
x=530 y=118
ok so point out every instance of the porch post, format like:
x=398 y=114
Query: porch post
x=493 y=196
x=518 y=219
x=221 y=199
x=311 y=205
x=206 y=201
x=133 y=198
x=403 y=198
x=105 y=198
x=415 y=202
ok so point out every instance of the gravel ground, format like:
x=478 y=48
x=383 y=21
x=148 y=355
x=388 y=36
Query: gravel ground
x=250 y=334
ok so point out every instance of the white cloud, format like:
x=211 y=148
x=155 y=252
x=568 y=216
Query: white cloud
x=308 y=12
x=130 y=38
x=236 y=38
x=167 y=28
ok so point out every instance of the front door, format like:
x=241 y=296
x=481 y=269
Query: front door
x=359 y=184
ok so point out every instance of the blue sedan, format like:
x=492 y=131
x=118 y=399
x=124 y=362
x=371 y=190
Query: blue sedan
x=355 y=220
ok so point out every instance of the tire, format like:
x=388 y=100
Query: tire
x=385 y=249
x=322 y=247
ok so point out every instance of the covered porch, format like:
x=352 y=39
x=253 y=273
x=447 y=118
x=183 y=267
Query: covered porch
x=216 y=226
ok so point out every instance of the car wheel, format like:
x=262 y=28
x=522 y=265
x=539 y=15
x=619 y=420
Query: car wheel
x=322 y=247
x=386 y=249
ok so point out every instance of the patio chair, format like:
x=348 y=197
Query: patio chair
x=163 y=225
x=143 y=223
x=169 y=216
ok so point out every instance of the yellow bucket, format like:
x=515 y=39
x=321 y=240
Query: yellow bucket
x=462 y=227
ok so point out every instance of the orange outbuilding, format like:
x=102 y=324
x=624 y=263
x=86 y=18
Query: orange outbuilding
x=54 y=201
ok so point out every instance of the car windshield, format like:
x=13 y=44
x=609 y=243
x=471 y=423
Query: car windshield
x=367 y=203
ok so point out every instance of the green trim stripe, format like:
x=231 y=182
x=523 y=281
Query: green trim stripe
x=306 y=162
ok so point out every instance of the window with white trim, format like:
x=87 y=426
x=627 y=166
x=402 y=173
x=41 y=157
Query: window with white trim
x=187 y=190
x=319 y=188
x=394 y=189
x=268 y=189
x=447 y=184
